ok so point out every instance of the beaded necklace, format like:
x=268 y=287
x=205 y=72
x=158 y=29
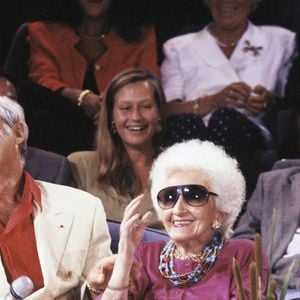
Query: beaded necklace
x=205 y=261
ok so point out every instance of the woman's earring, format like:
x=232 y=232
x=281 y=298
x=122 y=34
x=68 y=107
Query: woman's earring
x=158 y=128
x=113 y=127
x=216 y=225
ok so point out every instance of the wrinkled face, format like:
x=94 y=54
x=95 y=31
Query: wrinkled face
x=135 y=114
x=9 y=150
x=7 y=89
x=230 y=13
x=95 y=8
x=184 y=222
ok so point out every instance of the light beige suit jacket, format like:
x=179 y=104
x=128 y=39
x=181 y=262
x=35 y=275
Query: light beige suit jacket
x=71 y=235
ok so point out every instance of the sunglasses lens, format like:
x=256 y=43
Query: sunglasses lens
x=195 y=195
x=167 y=197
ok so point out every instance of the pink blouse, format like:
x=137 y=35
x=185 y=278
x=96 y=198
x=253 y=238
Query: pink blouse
x=218 y=284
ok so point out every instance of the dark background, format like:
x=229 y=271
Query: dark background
x=171 y=17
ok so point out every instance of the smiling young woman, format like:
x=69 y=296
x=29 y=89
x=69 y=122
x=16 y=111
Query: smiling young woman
x=130 y=131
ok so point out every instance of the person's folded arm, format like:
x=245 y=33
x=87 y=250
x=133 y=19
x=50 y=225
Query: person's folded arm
x=42 y=66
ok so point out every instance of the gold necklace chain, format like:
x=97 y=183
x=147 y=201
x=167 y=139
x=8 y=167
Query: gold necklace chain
x=194 y=257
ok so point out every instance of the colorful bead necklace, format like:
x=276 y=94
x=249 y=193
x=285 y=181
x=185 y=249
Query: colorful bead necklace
x=205 y=260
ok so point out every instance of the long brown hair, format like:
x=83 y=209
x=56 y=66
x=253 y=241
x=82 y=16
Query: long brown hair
x=116 y=169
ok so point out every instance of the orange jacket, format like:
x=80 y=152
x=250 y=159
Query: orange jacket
x=55 y=63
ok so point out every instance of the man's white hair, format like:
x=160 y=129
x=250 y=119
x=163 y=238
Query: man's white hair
x=220 y=169
x=12 y=113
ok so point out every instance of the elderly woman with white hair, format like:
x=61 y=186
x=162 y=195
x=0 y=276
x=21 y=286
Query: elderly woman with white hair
x=197 y=191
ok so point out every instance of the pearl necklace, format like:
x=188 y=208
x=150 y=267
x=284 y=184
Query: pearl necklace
x=205 y=260
x=223 y=45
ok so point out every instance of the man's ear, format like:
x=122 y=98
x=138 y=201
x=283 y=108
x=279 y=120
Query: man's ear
x=20 y=131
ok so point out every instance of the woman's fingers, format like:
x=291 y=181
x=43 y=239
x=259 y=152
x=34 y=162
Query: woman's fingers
x=237 y=94
x=132 y=218
x=256 y=104
x=241 y=88
x=146 y=218
x=134 y=201
x=132 y=207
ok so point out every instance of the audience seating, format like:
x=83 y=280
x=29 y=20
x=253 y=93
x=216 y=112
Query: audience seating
x=47 y=166
x=286 y=163
x=18 y=54
x=16 y=66
x=150 y=235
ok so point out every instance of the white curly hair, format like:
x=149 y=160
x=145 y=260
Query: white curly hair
x=221 y=170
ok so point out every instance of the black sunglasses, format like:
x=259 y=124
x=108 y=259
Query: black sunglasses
x=193 y=194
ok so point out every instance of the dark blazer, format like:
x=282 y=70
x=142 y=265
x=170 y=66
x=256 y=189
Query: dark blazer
x=47 y=166
x=280 y=190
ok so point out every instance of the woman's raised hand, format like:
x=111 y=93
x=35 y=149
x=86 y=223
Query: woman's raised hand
x=132 y=227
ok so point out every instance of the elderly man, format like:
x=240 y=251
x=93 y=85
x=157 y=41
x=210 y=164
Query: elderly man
x=277 y=189
x=41 y=164
x=51 y=233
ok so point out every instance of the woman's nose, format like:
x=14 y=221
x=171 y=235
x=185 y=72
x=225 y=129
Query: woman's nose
x=180 y=206
x=136 y=114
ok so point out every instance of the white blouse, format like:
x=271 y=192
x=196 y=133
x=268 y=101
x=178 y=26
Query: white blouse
x=195 y=66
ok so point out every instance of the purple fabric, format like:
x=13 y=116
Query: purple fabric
x=218 y=284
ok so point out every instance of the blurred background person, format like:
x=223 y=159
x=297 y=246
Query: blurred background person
x=276 y=190
x=220 y=81
x=51 y=233
x=197 y=191
x=74 y=54
x=130 y=132
x=97 y=44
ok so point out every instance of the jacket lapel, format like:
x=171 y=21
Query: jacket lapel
x=242 y=58
x=208 y=50
x=250 y=48
x=52 y=229
x=286 y=211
